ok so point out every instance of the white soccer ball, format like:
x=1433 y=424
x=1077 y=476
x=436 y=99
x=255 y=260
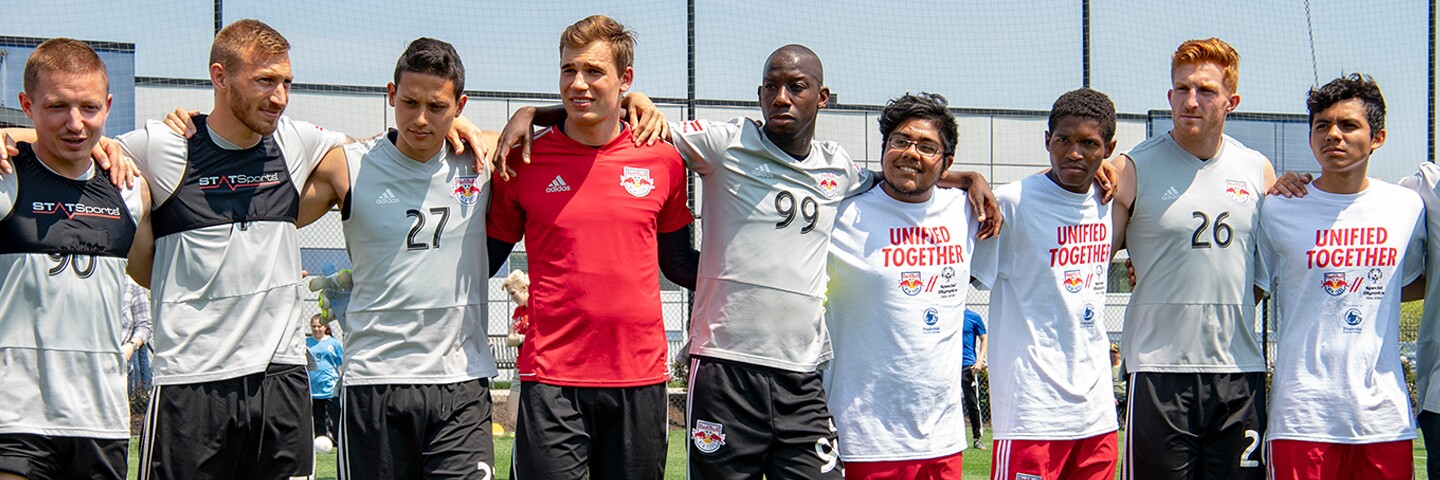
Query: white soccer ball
x=323 y=444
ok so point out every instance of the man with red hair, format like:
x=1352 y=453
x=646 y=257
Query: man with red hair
x=1197 y=373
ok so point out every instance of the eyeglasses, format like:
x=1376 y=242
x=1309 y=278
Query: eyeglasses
x=925 y=148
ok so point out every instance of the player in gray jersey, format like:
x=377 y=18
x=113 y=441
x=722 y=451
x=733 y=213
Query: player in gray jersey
x=1191 y=197
x=65 y=235
x=416 y=399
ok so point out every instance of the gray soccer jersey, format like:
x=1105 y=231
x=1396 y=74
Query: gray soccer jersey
x=416 y=235
x=61 y=370
x=766 y=229
x=1191 y=237
x=225 y=297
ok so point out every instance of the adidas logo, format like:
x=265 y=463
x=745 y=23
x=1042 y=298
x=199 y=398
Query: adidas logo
x=762 y=171
x=386 y=198
x=557 y=185
x=1170 y=194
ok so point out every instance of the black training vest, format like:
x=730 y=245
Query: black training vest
x=58 y=215
x=228 y=186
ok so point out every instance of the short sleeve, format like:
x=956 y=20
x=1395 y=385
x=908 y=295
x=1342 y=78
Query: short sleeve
x=675 y=214
x=1265 y=257
x=160 y=154
x=701 y=142
x=315 y=142
x=505 y=221
x=1414 y=264
x=9 y=190
x=861 y=178
x=979 y=322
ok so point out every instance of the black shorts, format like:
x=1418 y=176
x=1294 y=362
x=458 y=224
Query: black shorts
x=43 y=457
x=431 y=431
x=747 y=420
x=1195 y=426
x=562 y=433
x=255 y=426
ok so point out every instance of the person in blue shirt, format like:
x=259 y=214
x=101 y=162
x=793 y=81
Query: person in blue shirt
x=327 y=352
x=974 y=362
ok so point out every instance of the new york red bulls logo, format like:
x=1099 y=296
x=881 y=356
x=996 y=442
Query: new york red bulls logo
x=465 y=190
x=1238 y=191
x=708 y=437
x=910 y=283
x=1072 y=281
x=1334 y=283
x=829 y=184
x=637 y=181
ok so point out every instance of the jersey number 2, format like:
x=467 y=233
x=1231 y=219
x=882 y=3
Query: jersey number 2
x=410 y=243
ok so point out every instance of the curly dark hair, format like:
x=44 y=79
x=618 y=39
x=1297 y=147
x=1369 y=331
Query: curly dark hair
x=927 y=106
x=1355 y=85
x=1088 y=104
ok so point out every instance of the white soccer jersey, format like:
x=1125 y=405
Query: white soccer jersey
x=896 y=313
x=1049 y=353
x=226 y=297
x=416 y=233
x=1192 y=241
x=765 y=231
x=1426 y=182
x=1336 y=264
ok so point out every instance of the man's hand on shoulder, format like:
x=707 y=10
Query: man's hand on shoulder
x=1291 y=184
x=647 y=124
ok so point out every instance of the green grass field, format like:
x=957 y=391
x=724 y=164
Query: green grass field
x=977 y=462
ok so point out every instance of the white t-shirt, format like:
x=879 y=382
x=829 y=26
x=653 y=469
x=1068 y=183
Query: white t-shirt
x=1049 y=354
x=1336 y=264
x=896 y=312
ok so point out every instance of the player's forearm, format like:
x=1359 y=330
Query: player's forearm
x=679 y=261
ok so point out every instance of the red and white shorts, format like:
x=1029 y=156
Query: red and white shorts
x=942 y=468
x=1298 y=459
x=1092 y=458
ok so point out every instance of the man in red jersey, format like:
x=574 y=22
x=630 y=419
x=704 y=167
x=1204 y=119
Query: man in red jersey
x=594 y=210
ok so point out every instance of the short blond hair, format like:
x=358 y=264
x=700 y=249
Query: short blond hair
x=600 y=28
x=65 y=55
x=517 y=278
x=238 y=40
x=1210 y=50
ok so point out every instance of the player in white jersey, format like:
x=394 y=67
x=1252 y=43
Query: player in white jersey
x=1337 y=260
x=1054 y=414
x=416 y=399
x=899 y=263
x=1197 y=385
x=65 y=235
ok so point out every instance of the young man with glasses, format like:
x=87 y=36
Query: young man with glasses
x=899 y=266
